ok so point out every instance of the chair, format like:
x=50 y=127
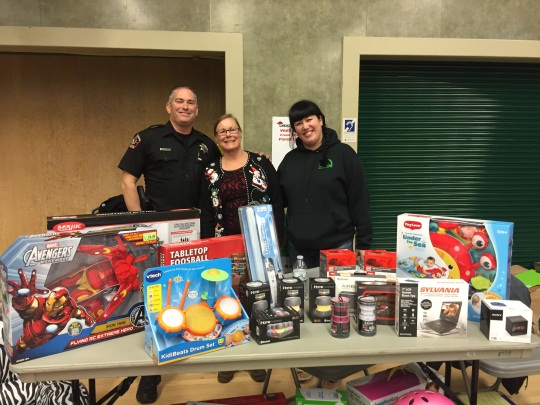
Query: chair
x=511 y=368
x=508 y=369
x=322 y=373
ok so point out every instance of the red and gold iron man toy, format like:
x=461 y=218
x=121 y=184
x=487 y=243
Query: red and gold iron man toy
x=45 y=313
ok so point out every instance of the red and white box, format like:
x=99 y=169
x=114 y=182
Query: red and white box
x=231 y=247
x=333 y=260
x=172 y=226
x=379 y=259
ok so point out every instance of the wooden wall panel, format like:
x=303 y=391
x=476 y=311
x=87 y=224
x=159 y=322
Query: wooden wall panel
x=66 y=120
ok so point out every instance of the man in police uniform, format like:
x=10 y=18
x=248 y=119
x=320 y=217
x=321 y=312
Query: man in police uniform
x=172 y=158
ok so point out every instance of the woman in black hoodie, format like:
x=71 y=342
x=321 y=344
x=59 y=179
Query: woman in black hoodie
x=324 y=189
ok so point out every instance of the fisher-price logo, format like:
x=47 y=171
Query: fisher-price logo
x=68 y=227
x=413 y=225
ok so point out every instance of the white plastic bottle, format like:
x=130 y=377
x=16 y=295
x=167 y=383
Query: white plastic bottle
x=300 y=272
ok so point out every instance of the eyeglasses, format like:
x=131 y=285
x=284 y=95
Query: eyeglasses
x=232 y=131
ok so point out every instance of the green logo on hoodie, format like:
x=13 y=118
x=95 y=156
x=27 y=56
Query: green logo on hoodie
x=328 y=166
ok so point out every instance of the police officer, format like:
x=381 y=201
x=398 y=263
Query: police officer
x=172 y=158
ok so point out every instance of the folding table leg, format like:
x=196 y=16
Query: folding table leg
x=266 y=381
x=474 y=381
x=465 y=377
x=76 y=389
x=92 y=391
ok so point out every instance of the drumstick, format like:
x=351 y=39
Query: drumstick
x=184 y=295
x=169 y=292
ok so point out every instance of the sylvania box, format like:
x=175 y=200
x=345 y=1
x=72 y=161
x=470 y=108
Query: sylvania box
x=477 y=251
x=59 y=293
x=431 y=307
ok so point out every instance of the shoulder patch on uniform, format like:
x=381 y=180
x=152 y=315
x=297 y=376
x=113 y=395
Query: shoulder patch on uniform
x=135 y=141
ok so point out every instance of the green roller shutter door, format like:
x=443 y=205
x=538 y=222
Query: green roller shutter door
x=452 y=138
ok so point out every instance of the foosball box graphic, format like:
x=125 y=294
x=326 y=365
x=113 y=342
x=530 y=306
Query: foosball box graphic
x=231 y=247
x=60 y=293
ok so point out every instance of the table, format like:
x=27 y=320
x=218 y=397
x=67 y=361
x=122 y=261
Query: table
x=125 y=356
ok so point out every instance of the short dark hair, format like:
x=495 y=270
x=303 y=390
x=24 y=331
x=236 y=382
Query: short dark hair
x=302 y=109
x=306 y=108
x=171 y=93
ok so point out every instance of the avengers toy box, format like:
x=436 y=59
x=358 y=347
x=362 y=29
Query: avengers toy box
x=172 y=226
x=431 y=307
x=506 y=320
x=477 y=251
x=192 y=309
x=60 y=293
x=261 y=245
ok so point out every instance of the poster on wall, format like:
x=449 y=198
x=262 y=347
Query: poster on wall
x=348 y=130
x=281 y=139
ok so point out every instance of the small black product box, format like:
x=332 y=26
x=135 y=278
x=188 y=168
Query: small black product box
x=291 y=294
x=274 y=325
x=321 y=291
x=254 y=295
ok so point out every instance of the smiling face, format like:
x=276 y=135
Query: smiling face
x=228 y=135
x=309 y=130
x=182 y=109
x=430 y=263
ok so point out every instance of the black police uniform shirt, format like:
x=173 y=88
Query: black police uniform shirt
x=172 y=167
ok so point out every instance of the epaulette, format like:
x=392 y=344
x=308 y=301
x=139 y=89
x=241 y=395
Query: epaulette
x=151 y=127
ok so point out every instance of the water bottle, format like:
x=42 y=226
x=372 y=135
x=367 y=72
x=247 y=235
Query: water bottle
x=300 y=272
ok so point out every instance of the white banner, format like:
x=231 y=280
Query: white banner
x=281 y=139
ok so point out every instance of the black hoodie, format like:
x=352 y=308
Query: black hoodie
x=326 y=206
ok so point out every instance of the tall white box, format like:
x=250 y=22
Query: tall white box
x=431 y=308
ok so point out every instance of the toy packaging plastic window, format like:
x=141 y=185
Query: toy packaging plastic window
x=192 y=309
x=477 y=251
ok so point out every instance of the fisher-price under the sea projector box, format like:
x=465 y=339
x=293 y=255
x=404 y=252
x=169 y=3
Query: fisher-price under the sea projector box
x=192 y=309
x=477 y=251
